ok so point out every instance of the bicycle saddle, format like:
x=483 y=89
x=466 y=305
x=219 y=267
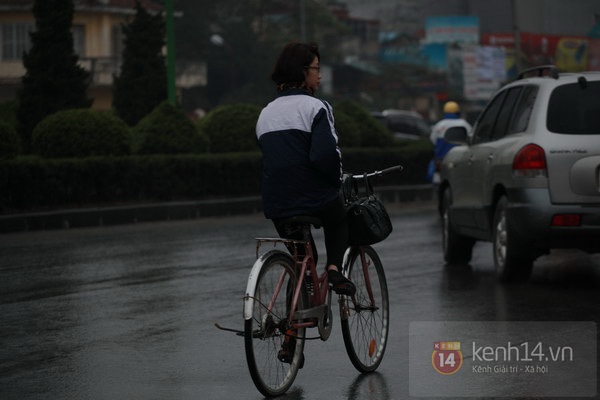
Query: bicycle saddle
x=303 y=219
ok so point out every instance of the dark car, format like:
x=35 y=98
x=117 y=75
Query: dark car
x=404 y=124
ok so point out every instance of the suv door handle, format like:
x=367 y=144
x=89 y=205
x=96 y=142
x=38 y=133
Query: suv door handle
x=470 y=160
x=490 y=157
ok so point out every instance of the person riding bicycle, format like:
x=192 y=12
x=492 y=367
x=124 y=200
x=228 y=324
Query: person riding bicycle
x=302 y=168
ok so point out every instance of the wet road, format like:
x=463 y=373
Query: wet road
x=127 y=312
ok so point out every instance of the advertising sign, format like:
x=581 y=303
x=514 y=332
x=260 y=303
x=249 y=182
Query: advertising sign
x=452 y=29
x=477 y=72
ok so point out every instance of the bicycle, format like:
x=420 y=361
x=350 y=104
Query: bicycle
x=285 y=296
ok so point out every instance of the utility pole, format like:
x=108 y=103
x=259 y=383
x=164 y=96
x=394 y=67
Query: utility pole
x=303 y=20
x=170 y=53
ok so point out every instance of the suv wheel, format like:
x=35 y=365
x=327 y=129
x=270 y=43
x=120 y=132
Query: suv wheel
x=458 y=249
x=513 y=263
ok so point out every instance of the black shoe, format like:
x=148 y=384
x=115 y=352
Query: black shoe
x=286 y=353
x=340 y=284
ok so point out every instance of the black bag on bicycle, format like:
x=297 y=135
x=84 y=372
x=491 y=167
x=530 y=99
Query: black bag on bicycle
x=368 y=221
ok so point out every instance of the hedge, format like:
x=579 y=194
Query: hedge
x=372 y=132
x=32 y=183
x=10 y=143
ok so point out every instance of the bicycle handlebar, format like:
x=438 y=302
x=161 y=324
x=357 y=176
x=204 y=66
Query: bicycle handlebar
x=379 y=173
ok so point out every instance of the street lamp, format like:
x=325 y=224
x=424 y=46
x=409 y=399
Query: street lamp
x=226 y=60
x=217 y=40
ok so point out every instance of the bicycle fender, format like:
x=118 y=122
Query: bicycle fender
x=346 y=261
x=253 y=278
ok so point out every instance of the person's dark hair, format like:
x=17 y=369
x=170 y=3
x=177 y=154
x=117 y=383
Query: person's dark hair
x=292 y=63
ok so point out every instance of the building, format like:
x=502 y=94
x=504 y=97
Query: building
x=97 y=37
x=362 y=40
x=553 y=17
x=479 y=44
x=535 y=27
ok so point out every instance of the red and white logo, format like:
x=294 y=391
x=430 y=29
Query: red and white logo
x=446 y=357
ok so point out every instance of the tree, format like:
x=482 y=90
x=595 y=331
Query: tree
x=142 y=85
x=53 y=80
x=239 y=64
x=240 y=42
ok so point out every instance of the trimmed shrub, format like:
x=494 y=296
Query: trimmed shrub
x=167 y=130
x=8 y=113
x=347 y=130
x=81 y=133
x=10 y=145
x=231 y=128
x=372 y=132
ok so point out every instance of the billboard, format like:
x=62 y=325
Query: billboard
x=476 y=72
x=567 y=53
x=452 y=29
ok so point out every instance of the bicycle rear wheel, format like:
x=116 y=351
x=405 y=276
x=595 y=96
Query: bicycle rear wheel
x=365 y=323
x=266 y=330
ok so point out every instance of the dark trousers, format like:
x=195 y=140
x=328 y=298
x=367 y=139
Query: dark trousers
x=335 y=230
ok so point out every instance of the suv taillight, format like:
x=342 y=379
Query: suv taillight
x=530 y=162
x=566 y=220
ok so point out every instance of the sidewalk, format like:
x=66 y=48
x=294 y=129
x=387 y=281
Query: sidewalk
x=101 y=216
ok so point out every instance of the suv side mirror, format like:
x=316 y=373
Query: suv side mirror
x=456 y=135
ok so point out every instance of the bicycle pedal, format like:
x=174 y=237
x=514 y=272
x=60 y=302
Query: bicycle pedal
x=285 y=357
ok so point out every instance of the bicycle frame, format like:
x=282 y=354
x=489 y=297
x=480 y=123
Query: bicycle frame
x=364 y=265
x=321 y=284
x=317 y=300
x=318 y=297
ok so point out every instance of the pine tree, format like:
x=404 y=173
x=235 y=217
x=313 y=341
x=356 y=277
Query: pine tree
x=53 y=80
x=142 y=85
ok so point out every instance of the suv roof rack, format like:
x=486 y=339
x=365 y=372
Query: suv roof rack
x=542 y=70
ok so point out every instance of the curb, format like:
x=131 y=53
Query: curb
x=119 y=215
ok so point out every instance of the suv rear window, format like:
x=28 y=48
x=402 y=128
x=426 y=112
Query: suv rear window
x=574 y=109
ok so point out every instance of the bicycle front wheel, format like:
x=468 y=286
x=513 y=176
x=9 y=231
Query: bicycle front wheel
x=268 y=328
x=365 y=319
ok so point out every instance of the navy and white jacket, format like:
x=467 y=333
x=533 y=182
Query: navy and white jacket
x=302 y=164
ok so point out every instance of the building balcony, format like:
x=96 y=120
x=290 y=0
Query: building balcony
x=102 y=70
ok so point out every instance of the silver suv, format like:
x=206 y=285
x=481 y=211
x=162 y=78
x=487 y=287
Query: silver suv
x=527 y=178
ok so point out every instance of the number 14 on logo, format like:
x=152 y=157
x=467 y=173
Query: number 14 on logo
x=446 y=357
